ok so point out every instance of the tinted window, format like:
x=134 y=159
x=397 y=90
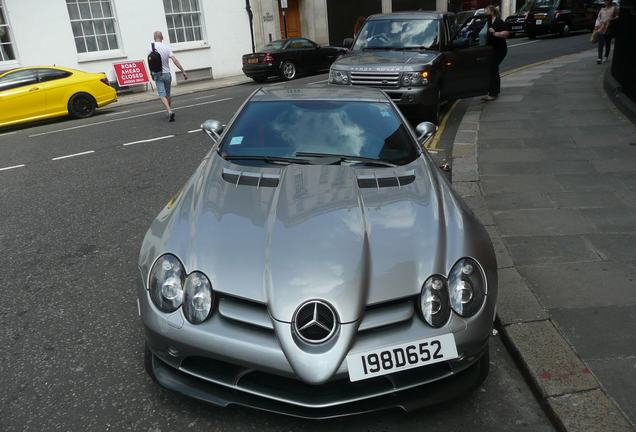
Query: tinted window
x=300 y=44
x=406 y=33
x=283 y=128
x=475 y=30
x=544 y=4
x=17 y=79
x=275 y=45
x=51 y=74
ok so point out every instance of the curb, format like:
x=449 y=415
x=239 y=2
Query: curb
x=568 y=391
x=615 y=92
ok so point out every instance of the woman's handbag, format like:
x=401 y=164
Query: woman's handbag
x=594 y=37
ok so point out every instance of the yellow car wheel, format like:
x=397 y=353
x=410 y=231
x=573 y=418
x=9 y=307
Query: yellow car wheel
x=81 y=105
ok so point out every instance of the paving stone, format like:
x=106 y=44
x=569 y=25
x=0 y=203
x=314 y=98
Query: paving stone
x=478 y=206
x=510 y=155
x=615 y=165
x=584 y=284
x=518 y=201
x=564 y=143
x=612 y=219
x=504 y=259
x=599 y=332
x=520 y=183
x=532 y=168
x=497 y=143
x=584 y=199
x=620 y=247
x=463 y=150
x=465 y=189
x=618 y=378
x=552 y=364
x=465 y=169
x=627 y=197
x=501 y=124
x=539 y=250
x=466 y=137
x=589 y=411
x=510 y=97
x=515 y=302
x=627 y=180
x=587 y=183
x=540 y=222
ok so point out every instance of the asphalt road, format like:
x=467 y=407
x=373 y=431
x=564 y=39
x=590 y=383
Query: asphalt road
x=76 y=198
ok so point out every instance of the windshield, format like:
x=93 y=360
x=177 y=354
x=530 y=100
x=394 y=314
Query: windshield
x=543 y=4
x=275 y=45
x=347 y=128
x=395 y=34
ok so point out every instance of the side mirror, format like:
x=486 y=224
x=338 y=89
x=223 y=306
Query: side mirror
x=213 y=128
x=425 y=130
x=347 y=43
x=459 y=43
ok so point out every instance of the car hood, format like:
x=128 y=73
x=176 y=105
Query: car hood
x=385 y=60
x=318 y=235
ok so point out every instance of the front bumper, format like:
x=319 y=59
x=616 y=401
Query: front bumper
x=546 y=27
x=236 y=358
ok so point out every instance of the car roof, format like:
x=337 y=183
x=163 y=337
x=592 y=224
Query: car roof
x=322 y=92
x=39 y=67
x=409 y=15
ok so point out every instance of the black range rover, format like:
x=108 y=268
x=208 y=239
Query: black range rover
x=420 y=59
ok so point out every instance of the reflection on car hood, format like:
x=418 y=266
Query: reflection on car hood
x=380 y=60
x=317 y=235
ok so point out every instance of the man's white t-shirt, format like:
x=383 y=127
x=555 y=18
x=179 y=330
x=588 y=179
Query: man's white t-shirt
x=165 y=52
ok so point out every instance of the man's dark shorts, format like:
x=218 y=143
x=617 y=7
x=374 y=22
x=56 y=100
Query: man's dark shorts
x=163 y=81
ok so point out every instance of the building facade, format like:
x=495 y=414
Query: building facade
x=208 y=36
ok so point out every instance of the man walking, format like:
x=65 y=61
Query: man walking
x=497 y=35
x=159 y=55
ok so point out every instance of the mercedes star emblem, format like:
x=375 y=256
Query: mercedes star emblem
x=315 y=322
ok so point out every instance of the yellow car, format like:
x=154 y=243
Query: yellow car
x=42 y=92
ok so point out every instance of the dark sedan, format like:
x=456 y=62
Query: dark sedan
x=287 y=57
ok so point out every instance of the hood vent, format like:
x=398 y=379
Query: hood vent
x=366 y=181
x=257 y=180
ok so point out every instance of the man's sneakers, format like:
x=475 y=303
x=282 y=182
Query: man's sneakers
x=171 y=116
x=599 y=61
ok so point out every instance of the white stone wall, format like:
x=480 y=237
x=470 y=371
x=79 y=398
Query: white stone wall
x=43 y=36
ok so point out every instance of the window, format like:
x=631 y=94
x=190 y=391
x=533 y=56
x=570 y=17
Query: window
x=94 y=25
x=18 y=79
x=301 y=44
x=184 y=20
x=6 y=47
x=51 y=74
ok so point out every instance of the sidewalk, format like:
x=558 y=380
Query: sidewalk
x=182 y=89
x=550 y=169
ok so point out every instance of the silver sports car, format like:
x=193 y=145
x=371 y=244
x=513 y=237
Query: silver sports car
x=317 y=264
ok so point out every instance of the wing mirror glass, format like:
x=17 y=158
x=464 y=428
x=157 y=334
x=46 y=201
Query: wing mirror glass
x=347 y=43
x=425 y=131
x=213 y=128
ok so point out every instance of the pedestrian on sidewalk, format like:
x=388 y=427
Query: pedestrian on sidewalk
x=602 y=29
x=497 y=35
x=159 y=55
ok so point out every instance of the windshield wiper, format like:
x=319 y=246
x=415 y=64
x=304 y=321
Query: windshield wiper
x=347 y=158
x=270 y=159
x=419 y=48
x=381 y=48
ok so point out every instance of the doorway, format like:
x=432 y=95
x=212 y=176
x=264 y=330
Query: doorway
x=291 y=20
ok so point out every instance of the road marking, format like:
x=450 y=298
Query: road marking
x=204 y=97
x=11 y=167
x=73 y=155
x=116 y=113
x=523 y=43
x=276 y=84
x=318 y=82
x=149 y=140
x=195 y=130
x=442 y=126
x=122 y=119
x=8 y=133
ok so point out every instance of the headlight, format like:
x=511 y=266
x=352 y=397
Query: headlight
x=198 y=298
x=166 y=283
x=415 y=78
x=434 y=304
x=338 y=77
x=467 y=287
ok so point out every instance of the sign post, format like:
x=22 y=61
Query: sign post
x=283 y=6
x=131 y=72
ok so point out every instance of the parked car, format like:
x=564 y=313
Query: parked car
x=517 y=22
x=42 y=92
x=557 y=16
x=285 y=58
x=317 y=264
x=419 y=58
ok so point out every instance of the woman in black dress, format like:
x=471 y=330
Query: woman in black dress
x=497 y=35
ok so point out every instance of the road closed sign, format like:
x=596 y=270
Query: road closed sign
x=131 y=73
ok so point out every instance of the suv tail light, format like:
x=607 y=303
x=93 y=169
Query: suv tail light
x=268 y=58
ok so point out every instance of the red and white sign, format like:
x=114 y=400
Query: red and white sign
x=131 y=72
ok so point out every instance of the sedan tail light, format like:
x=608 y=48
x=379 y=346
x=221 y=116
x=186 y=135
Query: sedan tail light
x=104 y=79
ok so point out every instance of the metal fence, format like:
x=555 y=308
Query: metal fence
x=624 y=60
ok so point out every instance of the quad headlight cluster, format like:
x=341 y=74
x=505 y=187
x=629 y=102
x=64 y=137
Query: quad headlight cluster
x=338 y=77
x=170 y=288
x=415 y=78
x=463 y=292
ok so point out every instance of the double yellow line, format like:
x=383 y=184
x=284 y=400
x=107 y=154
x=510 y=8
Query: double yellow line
x=442 y=125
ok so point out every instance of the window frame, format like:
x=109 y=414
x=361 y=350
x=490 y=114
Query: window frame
x=201 y=26
x=7 y=25
x=95 y=35
x=62 y=74
x=8 y=74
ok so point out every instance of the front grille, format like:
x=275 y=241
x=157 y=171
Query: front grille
x=376 y=79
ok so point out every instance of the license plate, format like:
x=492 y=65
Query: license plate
x=516 y=27
x=396 y=358
x=539 y=22
x=252 y=61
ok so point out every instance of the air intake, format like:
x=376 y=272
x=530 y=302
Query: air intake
x=366 y=181
x=257 y=180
